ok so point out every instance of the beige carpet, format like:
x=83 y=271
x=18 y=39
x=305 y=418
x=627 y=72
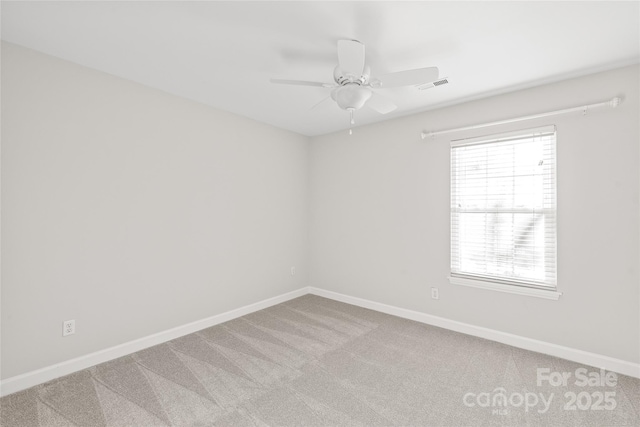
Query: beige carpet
x=316 y=362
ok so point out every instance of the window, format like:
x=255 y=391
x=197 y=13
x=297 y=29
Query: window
x=503 y=212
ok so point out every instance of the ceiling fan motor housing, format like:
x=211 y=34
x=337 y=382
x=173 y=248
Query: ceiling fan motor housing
x=342 y=78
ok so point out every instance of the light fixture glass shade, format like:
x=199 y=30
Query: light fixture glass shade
x=351 y=96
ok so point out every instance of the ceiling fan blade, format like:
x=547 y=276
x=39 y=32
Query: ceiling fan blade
x=351 y=56
x=322 y=102
x=300 y=83
x=409 y=77
x=381 y=104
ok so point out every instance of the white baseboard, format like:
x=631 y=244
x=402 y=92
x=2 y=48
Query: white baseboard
x=30 y=379
x=39 y=376
x=584 y=357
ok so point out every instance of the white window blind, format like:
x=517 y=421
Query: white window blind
x=503 y=208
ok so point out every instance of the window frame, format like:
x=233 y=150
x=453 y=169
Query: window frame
x=497 y=283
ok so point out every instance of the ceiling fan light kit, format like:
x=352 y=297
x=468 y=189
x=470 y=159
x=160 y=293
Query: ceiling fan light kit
x=351 y=96
x=353 y=85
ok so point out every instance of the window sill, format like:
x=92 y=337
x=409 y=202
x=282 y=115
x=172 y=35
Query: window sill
x=501 y=287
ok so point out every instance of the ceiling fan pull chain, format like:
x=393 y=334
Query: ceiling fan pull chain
x=352 y=121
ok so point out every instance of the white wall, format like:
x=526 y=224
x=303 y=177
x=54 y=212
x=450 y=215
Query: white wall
x=379 y=216
x=133 y=211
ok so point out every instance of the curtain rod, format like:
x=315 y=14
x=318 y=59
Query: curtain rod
x=613 y=102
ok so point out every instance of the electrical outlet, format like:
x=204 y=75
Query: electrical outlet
x=434 y=293
x=68 y=327
x=293 y=271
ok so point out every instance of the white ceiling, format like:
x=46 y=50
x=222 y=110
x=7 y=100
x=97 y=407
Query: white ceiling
x=224 y=53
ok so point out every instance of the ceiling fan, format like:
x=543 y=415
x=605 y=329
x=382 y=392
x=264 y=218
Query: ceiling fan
x=353 y=84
